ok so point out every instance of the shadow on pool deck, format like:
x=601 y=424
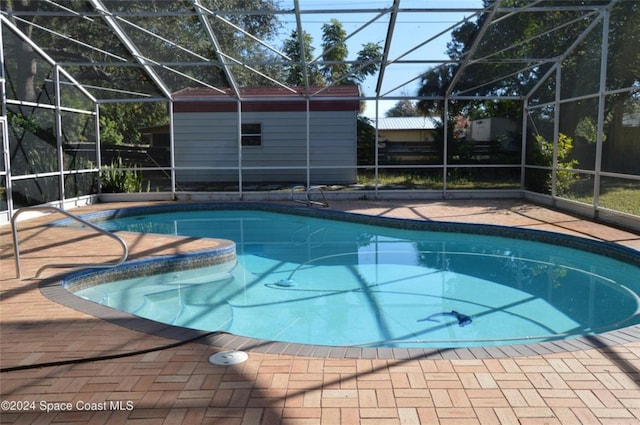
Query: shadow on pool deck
x=178 y=385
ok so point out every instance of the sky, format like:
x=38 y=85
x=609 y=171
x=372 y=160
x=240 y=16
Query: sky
x=411 y=31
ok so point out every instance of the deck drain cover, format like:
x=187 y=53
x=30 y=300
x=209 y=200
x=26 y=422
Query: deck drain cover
x=225 y=358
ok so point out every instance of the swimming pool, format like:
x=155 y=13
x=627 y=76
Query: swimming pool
x=356 y=281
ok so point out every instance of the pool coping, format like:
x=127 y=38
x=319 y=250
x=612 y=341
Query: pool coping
x=54 y=290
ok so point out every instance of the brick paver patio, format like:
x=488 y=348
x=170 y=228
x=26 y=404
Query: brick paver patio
x=169 y=383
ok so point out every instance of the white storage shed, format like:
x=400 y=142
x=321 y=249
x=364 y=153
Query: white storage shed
x=272 y=135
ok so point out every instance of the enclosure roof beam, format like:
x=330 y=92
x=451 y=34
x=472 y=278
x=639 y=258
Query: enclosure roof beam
x=398 y=59
x=360 y=28
x=222 y=63
x=387 y=44
x=71 y=40
x=130 y=46
x=491 y=11
x=257 y=72
x=214 y=41
x=6 y=22
x=242 y=30
x=563 y=8
x=566 y=53
x=124 y=23
x=303 y=55
x=503 y=77
x=164 y=40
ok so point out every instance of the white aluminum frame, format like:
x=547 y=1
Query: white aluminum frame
x=118 y=22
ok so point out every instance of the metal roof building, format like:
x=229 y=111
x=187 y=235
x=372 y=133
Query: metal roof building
x=407 y=123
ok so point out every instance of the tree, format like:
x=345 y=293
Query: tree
x=334 y=68
x=403 y=108
x=99 y=44
x=539 y=35
x=295 y=71
x=623 y=71
x=27 y=66
x=540 y=152
x=366 y=141
x=369 y=58
x=335 y=51
x=434 y=83
x=549 y=34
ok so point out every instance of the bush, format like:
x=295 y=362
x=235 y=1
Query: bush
x=116 y=179
x=541 y=153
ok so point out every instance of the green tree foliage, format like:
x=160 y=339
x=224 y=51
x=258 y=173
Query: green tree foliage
x=369 y=58
x=117 y=178
x=117 y=127
x=366 y=141
x=541 y=152
x=295 y=71
x=160 y=38
x=547 y=34
x=434 y=83
x=335 y=51
x=185 y=33
x=544 y=34
x=403 y=108
x=588 y=130
x=335 y=68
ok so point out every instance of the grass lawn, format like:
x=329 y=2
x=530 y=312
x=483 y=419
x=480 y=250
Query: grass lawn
x=617 y=197
x=621 y=198
x=432 y=180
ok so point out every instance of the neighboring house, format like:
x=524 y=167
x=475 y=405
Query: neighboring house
x=501 y=133
x=270 y=130
x=405 y=139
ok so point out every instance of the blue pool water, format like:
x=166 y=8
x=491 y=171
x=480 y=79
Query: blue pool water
x=328 y=282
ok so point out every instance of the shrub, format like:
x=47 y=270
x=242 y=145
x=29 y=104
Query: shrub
x=541 y=153
x=116 y=179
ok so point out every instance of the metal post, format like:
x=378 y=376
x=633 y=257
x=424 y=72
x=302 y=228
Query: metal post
x=58 y=126
x=98 y=146
x=16 y=245
x=523 y=144
x=604 y=54
x=8 y=191
x=556 y=132
x=172 y=151
x=4 y=125
x=376 y=147
x=239 y=109
x=308 y=146
x=445 y=151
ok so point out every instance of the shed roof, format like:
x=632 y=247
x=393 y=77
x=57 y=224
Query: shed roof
x=275 y=92
x=268 y=99
x=408 y=123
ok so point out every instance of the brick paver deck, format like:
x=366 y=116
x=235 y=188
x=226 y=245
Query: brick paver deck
x=169 y=383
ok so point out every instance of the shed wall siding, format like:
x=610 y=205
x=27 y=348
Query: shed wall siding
x=210 y=139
